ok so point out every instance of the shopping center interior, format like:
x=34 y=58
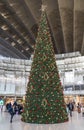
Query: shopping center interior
x=19 y=27
x=71 y=72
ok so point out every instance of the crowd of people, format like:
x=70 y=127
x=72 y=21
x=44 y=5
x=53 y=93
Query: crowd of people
x=14 y=108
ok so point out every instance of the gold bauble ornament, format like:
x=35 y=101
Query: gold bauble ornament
x=46 y=76
x=44 y=102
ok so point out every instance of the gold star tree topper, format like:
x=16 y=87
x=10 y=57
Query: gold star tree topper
x=43 y=8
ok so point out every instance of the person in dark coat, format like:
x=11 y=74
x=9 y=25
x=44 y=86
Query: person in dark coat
x=70 y=107
x=12 y=112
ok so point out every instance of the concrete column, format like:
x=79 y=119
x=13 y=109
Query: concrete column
x=66 y=13
x=78 y=24
x=55 y=23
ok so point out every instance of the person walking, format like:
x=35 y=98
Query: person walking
x=70 y=107
x=1 y=104
x=79 y=107
x=12 y=112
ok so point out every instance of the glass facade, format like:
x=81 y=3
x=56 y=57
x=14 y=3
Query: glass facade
x=14 y=75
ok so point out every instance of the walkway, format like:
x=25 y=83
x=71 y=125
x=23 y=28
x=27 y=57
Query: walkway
x=75 y=123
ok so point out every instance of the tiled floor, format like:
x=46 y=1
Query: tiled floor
x=75 y=123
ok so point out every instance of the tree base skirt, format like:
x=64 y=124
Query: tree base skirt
x=51 y=122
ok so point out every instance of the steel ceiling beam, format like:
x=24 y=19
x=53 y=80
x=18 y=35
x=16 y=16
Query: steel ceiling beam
x=18 y=46
x=12 y=49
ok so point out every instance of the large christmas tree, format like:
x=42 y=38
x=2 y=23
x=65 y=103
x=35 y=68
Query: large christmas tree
x=44 y=102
